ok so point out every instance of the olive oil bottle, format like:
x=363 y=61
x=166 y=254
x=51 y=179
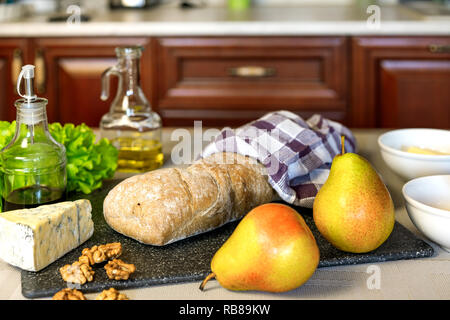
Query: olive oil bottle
x=33 y=164
x=131 y=125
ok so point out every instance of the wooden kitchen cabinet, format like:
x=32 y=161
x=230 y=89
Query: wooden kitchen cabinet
x=367 y=82
x=69 y=75
x=230 y=81
x=13 y=54
x=401 y=82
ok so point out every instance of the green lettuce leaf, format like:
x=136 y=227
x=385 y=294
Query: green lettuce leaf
x=88 y=162
x=6 y=132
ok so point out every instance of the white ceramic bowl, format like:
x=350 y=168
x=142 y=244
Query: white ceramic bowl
x=410 y=165
x=427 y=201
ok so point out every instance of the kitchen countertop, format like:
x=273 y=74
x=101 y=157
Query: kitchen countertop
x=427 y=278
x=217 y=21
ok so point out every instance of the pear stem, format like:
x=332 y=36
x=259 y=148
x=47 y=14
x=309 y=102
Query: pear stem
x=343 y=144
x=208 y=277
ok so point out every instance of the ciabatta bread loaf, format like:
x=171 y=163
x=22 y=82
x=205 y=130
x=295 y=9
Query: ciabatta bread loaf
x=170 y=204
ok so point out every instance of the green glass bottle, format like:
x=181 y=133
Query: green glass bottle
x=33 y=164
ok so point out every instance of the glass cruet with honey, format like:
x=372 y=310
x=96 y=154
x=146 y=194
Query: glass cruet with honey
x=131 y=125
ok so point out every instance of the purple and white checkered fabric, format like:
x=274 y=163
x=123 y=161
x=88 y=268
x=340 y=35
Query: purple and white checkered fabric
x=296 y=153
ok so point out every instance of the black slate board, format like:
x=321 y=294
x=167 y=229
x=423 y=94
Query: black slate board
x=189 y=259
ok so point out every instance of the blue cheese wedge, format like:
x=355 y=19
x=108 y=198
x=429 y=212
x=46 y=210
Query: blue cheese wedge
x=31 y=239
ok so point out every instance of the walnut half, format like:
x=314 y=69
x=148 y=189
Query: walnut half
x=98 y=254
x=111 y=294
x=77 y=272
x=119 y=270
x=69 y=294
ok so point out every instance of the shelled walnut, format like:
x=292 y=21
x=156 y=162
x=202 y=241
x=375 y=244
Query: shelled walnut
x=119 y=270
x=77 y=272
x=101 y=253
x=111 y=294
x=69 y=294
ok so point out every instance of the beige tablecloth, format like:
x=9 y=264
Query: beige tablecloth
x=427 y=278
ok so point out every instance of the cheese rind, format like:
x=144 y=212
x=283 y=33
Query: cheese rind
x=31 y=239
x=85 y=223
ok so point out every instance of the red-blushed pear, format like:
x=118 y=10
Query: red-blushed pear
x=353 y=210
x=272 y=249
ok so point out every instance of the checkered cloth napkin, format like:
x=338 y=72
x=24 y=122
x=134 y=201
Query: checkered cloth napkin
x=296 y=153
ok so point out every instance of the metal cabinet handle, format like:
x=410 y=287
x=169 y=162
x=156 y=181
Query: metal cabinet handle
x=251 y=72
x=39 y=76
x=439 y=48
x=16 y=65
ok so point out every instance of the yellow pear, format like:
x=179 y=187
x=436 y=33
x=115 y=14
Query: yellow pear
x=272 y=249
x=353 y=210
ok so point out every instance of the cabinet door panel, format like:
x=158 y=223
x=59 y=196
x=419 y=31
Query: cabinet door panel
x=403 y=86
x=400 y=82
x=4 y=101
x=13 y=54
x=80 y=88
x=234 y=80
